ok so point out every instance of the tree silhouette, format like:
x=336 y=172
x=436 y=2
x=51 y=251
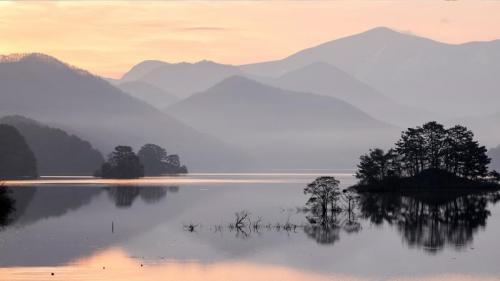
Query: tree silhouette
x=434 y=135
x=156 y=161
x=377 y=165
x=324 y=193
x=16 y=158
x=431 y=147
x=122 y=163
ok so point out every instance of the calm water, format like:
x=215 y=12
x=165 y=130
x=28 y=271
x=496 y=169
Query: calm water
x=86 y=229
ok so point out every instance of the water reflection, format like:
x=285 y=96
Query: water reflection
x=430 y=221
x=68 y=229
x=6 y=206
x=124 y=196
x=115 y=264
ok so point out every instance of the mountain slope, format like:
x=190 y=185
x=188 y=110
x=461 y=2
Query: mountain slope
x=409 y=69
x=325 y=79
x=285 y=128
x=255 y=107
x=181 y=79
x=148 y=93
x=43 y=88
x=56 y=152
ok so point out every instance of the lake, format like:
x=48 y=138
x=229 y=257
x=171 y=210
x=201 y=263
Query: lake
x=181 y=228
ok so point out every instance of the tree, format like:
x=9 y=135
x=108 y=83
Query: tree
x=153 y=157
x=122 y=163
x=456 y=142
x=411 y=150
x=475 y=161
x=433 y=135
x=156 y=161
x=16 y=158
x=324 y=193
x=430 y=148
x=494 y=176
x=377 y=165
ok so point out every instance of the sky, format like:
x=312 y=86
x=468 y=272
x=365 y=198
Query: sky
x=108 y=38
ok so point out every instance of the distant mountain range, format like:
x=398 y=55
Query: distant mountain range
x=389 y=74
x=273 y=123
x=180 y=79
x=44 y=88
x=320 y=107
x=455 y=80
x=325 y=79
x=239 y=105
x=146 y=92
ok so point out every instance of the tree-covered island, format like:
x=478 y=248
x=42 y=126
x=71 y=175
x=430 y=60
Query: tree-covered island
x=151 y=160
x=428 y=156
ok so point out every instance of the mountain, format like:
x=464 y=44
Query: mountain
x=494 y=154
x=484 y=126
x=45 y=89
x=453 y=79
x=56 y=152
x=148 y=93
x=325 y=79
x=17 y=160
x=281 y=127
x=141 y=69
x=181 y=79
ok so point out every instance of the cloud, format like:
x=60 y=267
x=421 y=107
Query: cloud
x=203 y=28
x=445 y=21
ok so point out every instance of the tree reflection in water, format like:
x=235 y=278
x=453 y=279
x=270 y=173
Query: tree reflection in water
x=124 y=196
x=325 y=228
x=430 y=221
x=6 y=206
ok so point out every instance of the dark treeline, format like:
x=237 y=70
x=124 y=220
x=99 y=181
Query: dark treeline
x=56 y=152
x=428 y=152
x=151 y=160
x=17 y=161
x=157 y=162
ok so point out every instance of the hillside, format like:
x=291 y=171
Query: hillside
x=52 y=92
x=56 y=152
x=281 y=126
x=148 y=93
x=181 y=79
x=410 y=69
x=325 y=79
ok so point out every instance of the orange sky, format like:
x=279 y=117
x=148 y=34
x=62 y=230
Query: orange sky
x=107 y=38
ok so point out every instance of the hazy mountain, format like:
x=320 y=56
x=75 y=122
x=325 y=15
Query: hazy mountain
x=181 y=79
x=494 y=154
x=454 y=79
x=325 y=79
x=141 y=69
x=43 y=88
x=279 y=126
x=149 y=93
x=485 y=127
x=56 y=152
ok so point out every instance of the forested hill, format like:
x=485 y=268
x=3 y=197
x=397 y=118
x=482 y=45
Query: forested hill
x=56 y=152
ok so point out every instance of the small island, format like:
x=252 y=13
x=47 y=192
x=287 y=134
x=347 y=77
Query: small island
x=151 y=160
x=428 y=157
